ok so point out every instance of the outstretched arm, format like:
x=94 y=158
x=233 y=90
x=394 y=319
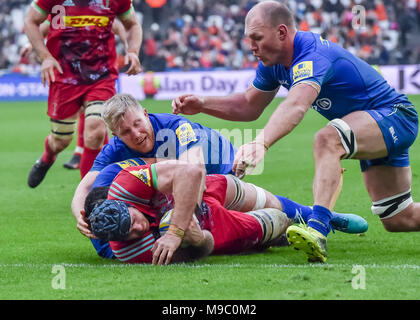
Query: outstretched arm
x=247 y=106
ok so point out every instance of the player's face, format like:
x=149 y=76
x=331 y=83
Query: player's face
x=136 y=131
x=263 y=40
x=139 y=224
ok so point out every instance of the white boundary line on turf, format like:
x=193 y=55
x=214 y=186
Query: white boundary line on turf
x=297 y=266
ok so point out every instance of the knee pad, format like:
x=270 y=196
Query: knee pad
x=389 y=207
x=63 y=129
x=273 y=222
x=94 y=109
x=347 y=137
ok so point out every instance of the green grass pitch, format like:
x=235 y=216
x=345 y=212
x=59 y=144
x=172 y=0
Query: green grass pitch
x=38 y=232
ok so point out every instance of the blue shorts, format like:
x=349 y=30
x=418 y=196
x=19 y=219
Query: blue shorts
x=399 y=126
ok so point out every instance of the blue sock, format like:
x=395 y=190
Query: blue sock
x=320 y=220
x=293 y=209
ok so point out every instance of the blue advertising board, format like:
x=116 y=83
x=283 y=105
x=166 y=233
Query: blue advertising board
x=18 y=87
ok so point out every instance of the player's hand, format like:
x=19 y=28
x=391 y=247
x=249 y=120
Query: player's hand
x=164 y=248
x=247 y=158
x=47 y=70
x=132 y=60
x=83 y=226
x=187 y=104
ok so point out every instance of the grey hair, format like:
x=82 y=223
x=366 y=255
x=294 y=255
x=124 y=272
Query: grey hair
x=116 y=108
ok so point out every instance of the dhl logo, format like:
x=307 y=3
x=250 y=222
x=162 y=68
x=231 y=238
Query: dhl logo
x=85 y=21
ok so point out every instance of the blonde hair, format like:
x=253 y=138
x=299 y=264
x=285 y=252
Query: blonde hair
x=116 y=108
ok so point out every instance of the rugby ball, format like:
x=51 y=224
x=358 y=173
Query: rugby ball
x=164 y=222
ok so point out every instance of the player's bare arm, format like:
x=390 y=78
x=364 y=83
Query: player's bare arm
x=119 y=30
x=134 y=40
x=181 y=179
x=77 y=204
x=285 y=118
x=32 y=23
x=247 y=106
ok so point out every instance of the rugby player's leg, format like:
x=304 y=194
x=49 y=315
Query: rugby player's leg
x=389 y=188
x=61 y=135
x=358 y=137
x=95 y=130
x=64 y=102
x=329 y=149
x=260 y=204
x=94 y=135
x=74 y=162
x=242 y=196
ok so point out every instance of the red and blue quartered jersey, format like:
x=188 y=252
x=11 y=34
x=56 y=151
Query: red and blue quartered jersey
x=81 y=37
x=233 y=231
x=135 y=186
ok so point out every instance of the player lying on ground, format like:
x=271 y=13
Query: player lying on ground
x=240 y=216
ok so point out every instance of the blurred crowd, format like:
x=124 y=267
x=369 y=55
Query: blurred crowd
x=198 y=34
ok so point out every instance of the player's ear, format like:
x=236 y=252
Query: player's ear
x=282 y=31
x=145 y=113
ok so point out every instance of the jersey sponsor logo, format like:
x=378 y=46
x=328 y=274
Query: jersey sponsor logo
x=185 y=134
x=86 y=21
x=324 y=104
x=303 y=70
x=143 y=175
x=127 y=163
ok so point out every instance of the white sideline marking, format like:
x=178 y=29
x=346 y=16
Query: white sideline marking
x=297 y=266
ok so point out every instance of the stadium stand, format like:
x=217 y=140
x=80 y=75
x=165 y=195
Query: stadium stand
x=198 y=34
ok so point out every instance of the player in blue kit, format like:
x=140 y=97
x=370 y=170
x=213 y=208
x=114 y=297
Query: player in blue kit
x=369 y=120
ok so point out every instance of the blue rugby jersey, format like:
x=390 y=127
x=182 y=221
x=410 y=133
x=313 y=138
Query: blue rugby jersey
x=347 y=83
x=174 y=135
x=105 y=177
